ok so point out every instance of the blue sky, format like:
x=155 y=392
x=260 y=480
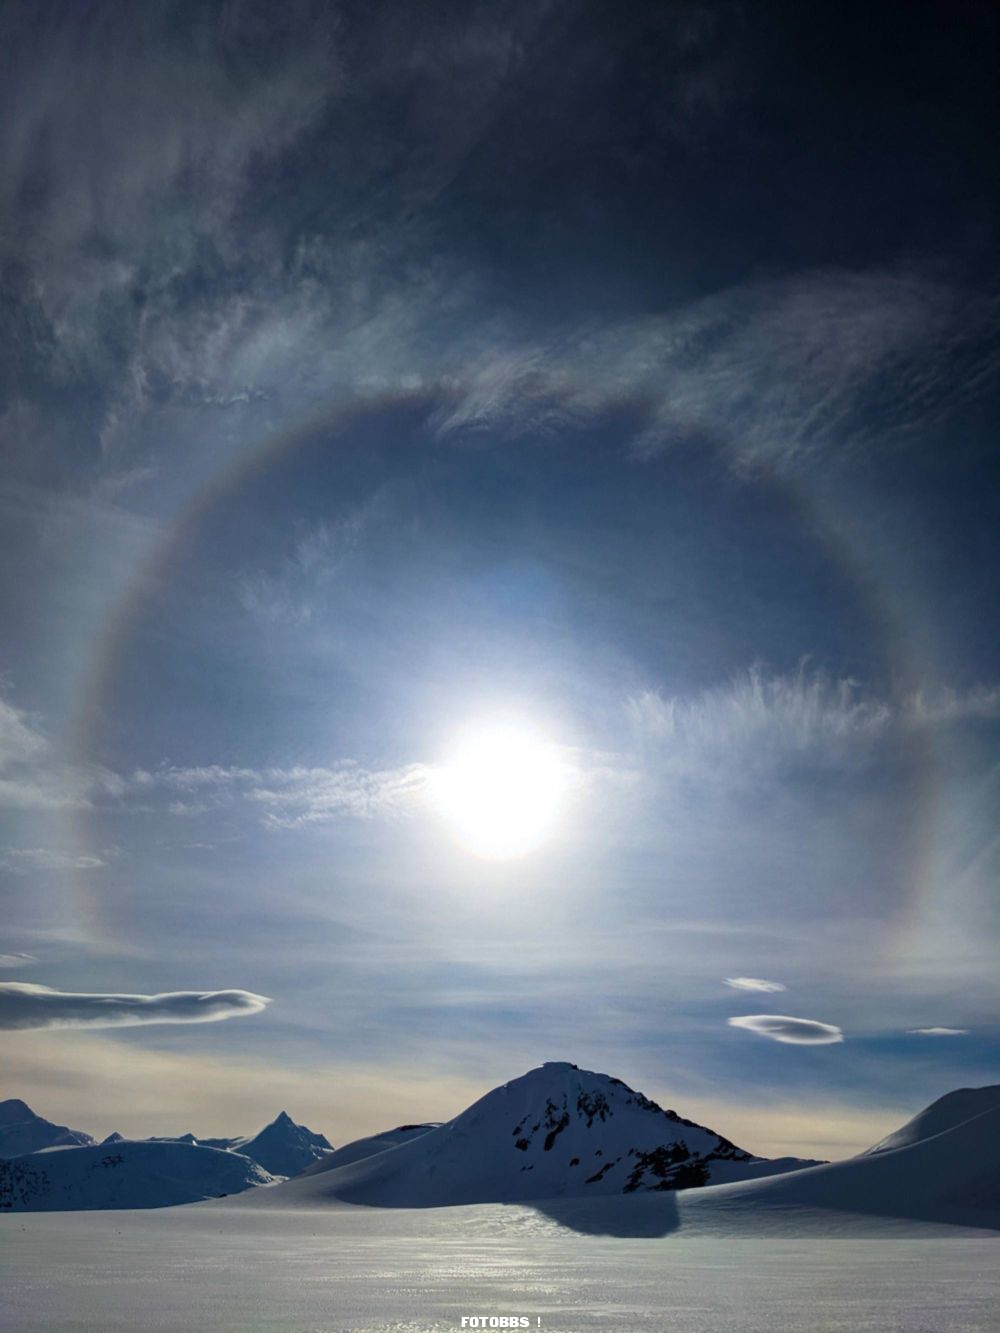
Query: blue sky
x=369 y=377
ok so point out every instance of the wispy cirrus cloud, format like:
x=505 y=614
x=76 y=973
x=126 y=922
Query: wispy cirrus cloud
x=20 y=741
x=294 y=797
x=286 y=596
x=145 y=271
x=32 y=778
x=754 y=984
x=758 y=722
x=313 y=795
x=24 y=1005
x=776 y=372
x=152 y=292
x=22 y=860
x=792 y=1031
x=12 y=960
x=948 y=705
x=762 y=721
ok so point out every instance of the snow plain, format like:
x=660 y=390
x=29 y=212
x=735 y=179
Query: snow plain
x=226 y=1269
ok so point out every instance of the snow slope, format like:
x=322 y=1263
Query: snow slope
x=22 y=1131
x=557 y=1131
x=284 y=1148
x=123 y=1175
x=955 y=1108
x=951 y=1178
x=368 y=1147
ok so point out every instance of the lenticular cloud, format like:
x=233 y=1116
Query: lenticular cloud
x=937 y=1032
x=23 y=1005
x=753 y=983
x=795 y=1031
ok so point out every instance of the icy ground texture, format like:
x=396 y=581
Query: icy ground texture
x=219 y=1269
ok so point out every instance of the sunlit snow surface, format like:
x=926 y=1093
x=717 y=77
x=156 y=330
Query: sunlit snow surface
x=217 y=1267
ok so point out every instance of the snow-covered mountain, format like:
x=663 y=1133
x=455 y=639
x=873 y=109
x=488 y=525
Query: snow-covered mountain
x=557 y=1131
x=954 y=1108
x=47 y=1166
x=124 y=1175
x=951 y=1178
x=284 y=1148
x=21 y=1131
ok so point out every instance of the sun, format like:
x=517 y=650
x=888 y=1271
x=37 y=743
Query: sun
x=501 y=790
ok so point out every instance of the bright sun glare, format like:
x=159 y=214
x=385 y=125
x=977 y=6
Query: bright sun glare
x=501 y=790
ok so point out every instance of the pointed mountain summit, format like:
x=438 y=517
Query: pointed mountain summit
x=284 y=1148
x=13 y=1111
x=22 y=1131
x=953 y=1109
x=557 y=1131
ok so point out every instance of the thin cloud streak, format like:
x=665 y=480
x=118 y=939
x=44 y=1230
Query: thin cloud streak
x=23 y=860
x=17 y=960
x=937 y=1032
x=754 y=983
x=291 y=798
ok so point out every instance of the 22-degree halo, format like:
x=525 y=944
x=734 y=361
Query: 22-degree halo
x=501 y=791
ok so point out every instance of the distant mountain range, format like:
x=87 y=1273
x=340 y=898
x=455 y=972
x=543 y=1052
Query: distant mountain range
x=558 y=1133
x=47 y=1166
